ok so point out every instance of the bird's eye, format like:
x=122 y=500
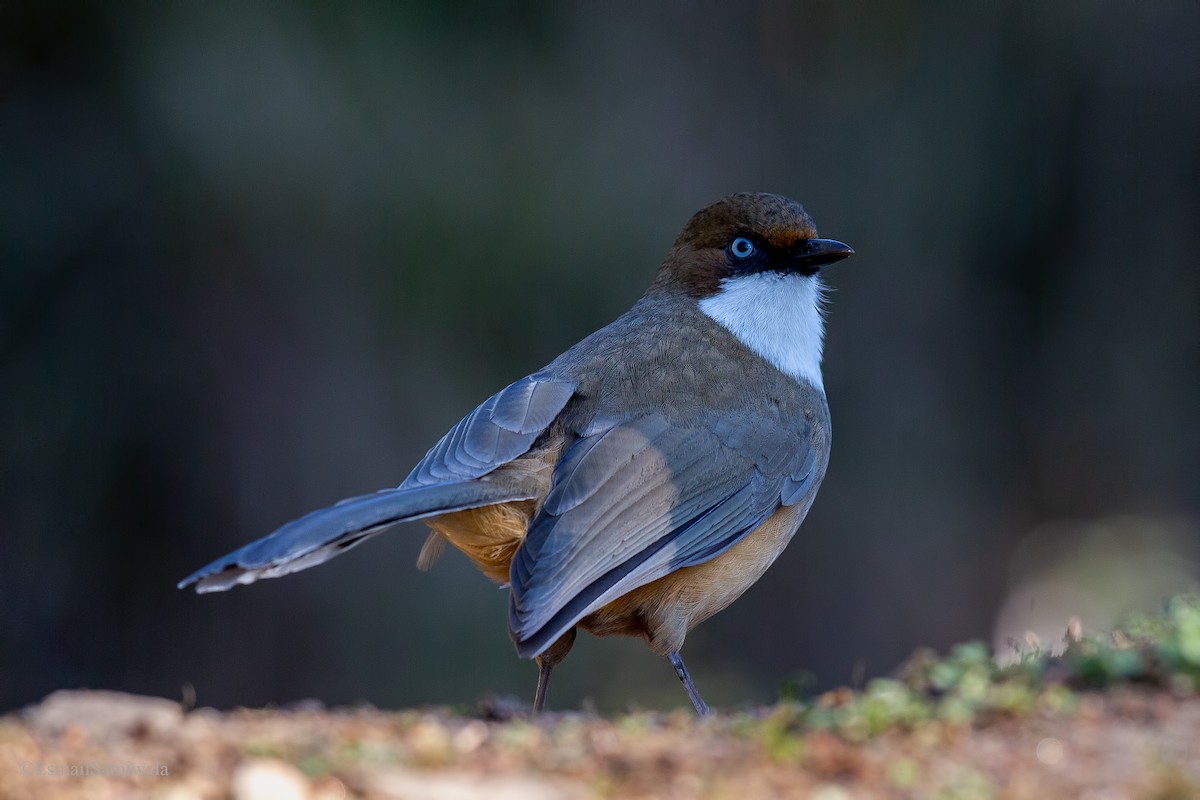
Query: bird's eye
x=742 y=247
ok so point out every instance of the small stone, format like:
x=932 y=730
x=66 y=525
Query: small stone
x=188 y=790
x=268 y=779
x=101 y=715
x=329 y=788
x=404 y=784
x=830 y=791
x=470 y=737
x=1050 y=751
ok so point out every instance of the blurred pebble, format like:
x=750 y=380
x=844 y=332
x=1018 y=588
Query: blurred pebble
x=268 y=779
x=102 y=715
x=472 y=735
x=1050 y=751
x=329 y=788
x=831 y=791
x=404 y=784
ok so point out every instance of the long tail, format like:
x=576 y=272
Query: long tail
x=321 y=535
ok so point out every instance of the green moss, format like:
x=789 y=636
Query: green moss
x=968 y=687
x=315 y=766
x=903 y=773
x=259 y=748
x=1160 y=649
x=967 y=784
x=635 y=724
x=777 y=738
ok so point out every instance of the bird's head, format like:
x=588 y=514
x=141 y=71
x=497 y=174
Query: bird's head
x=743 y=235
x=752 y=263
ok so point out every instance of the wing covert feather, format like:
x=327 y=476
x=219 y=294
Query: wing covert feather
x=502 y=428
x=643 y=498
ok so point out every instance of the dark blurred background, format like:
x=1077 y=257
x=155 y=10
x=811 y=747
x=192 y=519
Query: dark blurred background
x=254 y=259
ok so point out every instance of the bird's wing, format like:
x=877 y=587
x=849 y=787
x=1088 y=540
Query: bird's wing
x=502 y=428
x=638 y=500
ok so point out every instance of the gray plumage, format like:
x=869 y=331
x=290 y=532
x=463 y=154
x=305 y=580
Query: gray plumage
x=646 y=477
x=644 y=488
x=671 y=463
x=444 y=481
x=502 y=428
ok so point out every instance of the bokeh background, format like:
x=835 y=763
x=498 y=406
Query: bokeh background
x=256 y=258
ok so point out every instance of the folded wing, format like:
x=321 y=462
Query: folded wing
x=636 y=500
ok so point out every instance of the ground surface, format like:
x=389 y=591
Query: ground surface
x=1129 y=742
x=1115 y=716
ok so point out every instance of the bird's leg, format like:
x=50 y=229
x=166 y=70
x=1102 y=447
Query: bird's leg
x=539 y=697
x=677 y=662
x=550 y=658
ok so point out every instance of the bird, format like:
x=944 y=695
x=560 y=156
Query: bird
x=643 y=480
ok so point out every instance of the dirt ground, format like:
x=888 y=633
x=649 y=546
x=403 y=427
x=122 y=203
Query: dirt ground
x=1126 y=742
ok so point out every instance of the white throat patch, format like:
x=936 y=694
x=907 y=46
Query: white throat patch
x=777 y=316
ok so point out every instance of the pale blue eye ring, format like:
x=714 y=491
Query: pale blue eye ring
x=742 y=247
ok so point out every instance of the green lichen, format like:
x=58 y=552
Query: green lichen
x=968 y=687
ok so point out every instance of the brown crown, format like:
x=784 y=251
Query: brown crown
x=697 y=261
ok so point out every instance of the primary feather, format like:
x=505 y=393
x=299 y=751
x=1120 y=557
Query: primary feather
x=450 y=478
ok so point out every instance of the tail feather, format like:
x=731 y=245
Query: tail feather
x=321 y=535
